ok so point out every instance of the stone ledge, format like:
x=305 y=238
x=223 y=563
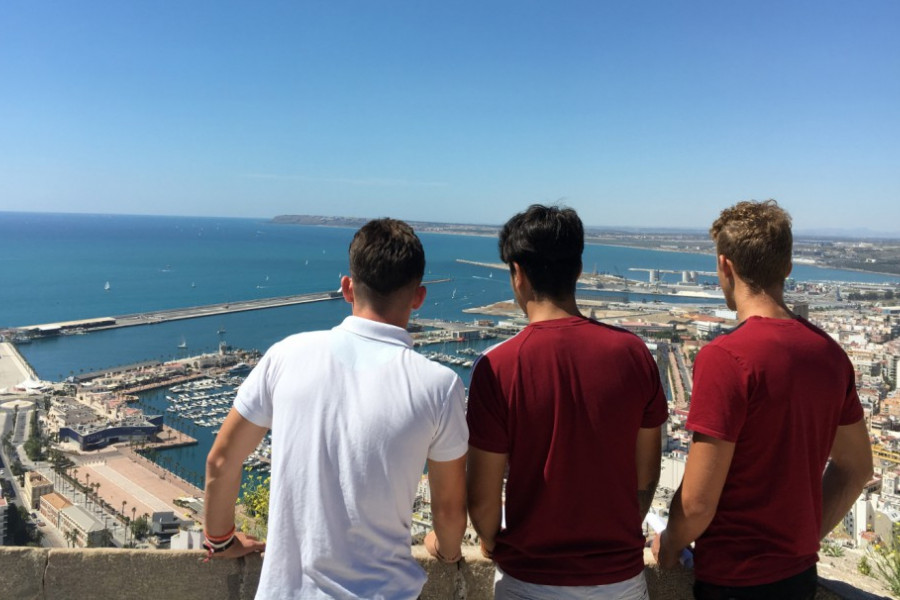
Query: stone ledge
x=74 y=574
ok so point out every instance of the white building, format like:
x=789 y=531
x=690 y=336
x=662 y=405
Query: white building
x=860 y=518
x=87 y=530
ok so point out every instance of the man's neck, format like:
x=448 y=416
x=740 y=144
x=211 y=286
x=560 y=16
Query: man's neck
x=767 y=303
x=397 y=319
x=548 y=309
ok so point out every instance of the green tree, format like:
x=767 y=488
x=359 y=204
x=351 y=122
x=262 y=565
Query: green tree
x=17 y=526
x=103 y=540
x=140 y=528
x=71 y=538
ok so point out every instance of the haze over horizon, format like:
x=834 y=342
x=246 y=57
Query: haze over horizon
x=645 y=114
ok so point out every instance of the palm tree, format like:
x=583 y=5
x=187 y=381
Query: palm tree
x=97 y=501
x=71 y=537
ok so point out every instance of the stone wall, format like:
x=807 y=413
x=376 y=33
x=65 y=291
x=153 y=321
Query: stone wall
x=101 y=574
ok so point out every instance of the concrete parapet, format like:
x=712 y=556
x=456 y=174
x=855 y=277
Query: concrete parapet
x=101 y=574
x=22 y=572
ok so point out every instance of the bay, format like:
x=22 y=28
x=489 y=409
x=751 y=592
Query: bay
x=55 y=267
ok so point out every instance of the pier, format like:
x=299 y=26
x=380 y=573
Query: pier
x=177 y=314
x=173 y=314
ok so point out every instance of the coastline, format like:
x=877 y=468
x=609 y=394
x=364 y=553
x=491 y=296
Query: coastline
x=589 y=240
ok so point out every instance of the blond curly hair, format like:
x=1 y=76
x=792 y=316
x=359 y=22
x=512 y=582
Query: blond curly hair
x=756 y=237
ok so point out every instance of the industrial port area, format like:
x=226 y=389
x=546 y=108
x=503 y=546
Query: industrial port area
x=96 y=477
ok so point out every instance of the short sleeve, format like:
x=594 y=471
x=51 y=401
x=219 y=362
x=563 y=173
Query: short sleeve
x=720 y=395
x=254 y=400
x=487 y=413
x=852 y=410
x=452 y=436
x=656 y=412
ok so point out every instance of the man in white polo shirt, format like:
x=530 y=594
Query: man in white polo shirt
x=354 y=413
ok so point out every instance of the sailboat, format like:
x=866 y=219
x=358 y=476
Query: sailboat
x=107 y=286
x=183 y=344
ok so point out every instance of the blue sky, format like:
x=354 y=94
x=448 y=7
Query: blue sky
x=634 y=113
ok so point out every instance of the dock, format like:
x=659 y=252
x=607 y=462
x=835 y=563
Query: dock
x=173 y=314
x=177 y=314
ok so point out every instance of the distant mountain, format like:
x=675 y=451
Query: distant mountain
x=854 y=234
x=860 y=233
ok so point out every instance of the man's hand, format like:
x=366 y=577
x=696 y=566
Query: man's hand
x=243 y=544
x=665 y=558
x=431 y=544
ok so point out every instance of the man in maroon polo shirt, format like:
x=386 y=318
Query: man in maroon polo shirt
x=571 y=409
x=773 y=402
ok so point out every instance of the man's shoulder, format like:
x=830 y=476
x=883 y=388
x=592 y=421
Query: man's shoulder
x=610 y=338
x=431 y=370
x=298 y=342
x=618 y=334
x=303 y=338
x=502 y=351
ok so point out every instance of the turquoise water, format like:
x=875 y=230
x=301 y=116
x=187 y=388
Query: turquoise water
x=54 y=267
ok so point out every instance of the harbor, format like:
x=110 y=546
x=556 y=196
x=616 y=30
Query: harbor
x=82 y=326
x=25 y=334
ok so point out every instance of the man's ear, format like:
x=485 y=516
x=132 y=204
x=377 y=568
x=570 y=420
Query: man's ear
x=419 y=297
x=516 y=274
x=725 y=266
x=347 y=289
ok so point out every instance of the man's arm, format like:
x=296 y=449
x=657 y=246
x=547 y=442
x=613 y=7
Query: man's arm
x=695 y=502
x=485 y=484
x=237 y=438
x=848 y=471
x=648 y=457
x=447 y=480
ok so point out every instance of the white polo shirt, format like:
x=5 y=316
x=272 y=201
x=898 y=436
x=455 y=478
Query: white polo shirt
x=354 y=412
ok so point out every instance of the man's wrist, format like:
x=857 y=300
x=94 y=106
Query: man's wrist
x=665 y=546
x=216 y=544
x=487 y=549
x=454 y=558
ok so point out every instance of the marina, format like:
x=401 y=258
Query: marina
x=205 y=403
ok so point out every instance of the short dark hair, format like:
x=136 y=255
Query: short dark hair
x=385 y=256
x=547 y=243
x=756 y=237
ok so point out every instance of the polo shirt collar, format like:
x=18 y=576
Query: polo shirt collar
x=382 y=332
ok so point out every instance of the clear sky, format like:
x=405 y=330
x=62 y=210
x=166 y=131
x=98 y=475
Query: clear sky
x=635 y=113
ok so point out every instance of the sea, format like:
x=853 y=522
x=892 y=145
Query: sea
x=63 y=267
